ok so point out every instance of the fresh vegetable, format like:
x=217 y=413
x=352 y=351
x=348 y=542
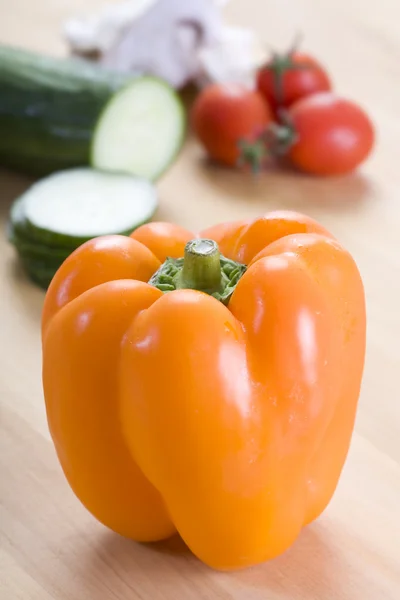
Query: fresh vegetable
x=40 y=273
x=39 y=260
x=226 y=117
x=60 y=212
x=328 y=135
x=26 y=246
x=286 y=78
x=49 y=110
x=140 y=130
x=219 y=399
x=70 y=207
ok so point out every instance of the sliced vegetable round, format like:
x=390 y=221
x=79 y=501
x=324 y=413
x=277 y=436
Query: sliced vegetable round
x=34 y=249
x=17 y=221
x=140 y=130
x=70 y=207
x=42 y=276
x=45 y=254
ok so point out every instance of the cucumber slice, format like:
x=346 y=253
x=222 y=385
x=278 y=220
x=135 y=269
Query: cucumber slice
x=72 y=206
x=40 y=262
x=42 y=276
x=17 y=222
x=52 y=255
x=32 y=264
x=44 y=260
x=27 y=247
x=141 y=129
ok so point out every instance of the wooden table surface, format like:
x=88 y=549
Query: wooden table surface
x=50 y=547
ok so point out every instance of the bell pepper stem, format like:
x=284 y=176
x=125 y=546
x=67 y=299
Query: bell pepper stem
x=201 y=266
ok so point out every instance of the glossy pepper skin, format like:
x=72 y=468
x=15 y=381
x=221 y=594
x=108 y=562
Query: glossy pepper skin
x=173 y=412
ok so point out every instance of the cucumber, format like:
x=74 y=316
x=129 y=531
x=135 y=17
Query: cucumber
x=37 y=251
x=50 y=108
x=31 y=71
x=46 y=255
x=42 y=276
x=60 y=212
x=39 y=261
x=16 y=224
x=68 y=208
x=26 y=246
x=37 y=266
x=140 y=130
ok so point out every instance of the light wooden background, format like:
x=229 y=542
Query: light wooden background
x=50 y=548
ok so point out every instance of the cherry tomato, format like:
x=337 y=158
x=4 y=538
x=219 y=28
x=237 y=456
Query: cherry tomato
x=289 y=77
x=225 y=114
x=334 y=135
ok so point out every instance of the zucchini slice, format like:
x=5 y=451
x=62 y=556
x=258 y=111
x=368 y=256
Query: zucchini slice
x=140 y=129
x=67 y=208
x=42 y=276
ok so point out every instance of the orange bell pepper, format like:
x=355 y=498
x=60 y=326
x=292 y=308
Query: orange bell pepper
x=218 y=400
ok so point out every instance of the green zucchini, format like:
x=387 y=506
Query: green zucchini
x=42 y=276
x=50 y=109
x=70 y=207
x=140 y=130
x=63 y=210
x=18 y=234
x=39 y=251
x=39 y=261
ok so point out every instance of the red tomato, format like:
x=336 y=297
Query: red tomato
x=334 y=135
x=285 y=79
x=225 y=114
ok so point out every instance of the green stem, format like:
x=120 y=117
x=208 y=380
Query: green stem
x=201 y=266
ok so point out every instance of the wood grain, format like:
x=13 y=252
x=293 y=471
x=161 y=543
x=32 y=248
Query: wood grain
x=50 y=547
